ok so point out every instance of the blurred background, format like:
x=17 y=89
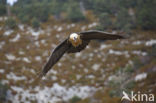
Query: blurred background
x=30 y=29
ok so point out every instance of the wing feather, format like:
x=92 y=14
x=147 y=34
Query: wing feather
x=95 y=34
x=55 y=56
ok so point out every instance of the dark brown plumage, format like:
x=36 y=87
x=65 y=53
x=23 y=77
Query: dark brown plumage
x=81 y=40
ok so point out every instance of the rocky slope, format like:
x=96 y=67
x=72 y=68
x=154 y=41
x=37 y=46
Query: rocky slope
x=98 y=74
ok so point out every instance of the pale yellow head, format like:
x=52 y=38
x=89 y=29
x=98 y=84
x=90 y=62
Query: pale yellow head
x=75 y=39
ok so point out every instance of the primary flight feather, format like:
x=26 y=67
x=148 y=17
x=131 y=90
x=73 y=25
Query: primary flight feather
x=75 y=43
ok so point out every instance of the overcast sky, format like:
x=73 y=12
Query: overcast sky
x=11 y=1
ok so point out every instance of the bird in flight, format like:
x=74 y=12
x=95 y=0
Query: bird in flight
x=75 y=43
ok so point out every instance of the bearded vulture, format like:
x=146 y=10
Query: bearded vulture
x=75 y=43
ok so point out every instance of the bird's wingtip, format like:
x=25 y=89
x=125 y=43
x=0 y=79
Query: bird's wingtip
x=124 y=36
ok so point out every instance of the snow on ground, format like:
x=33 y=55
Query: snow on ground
x=51 y=94
x=139 y=53
x=1 y=70
x=90 y=76
x=34 y=32
x=38 y=58
x=111 y=51
x=103 y=46
x=151 y=42
x=146 y=43
x=92 y=25
x=10 y=57
x=70 y=26
x=21 y=52
x=14 y=77
x=16 y=38
x=137 y=42
x=3 y=18
x=25 y=59
x=37 y=43
x=53 y=78
x=21 y=27
x=8 y=32
x=53 y=71
x=83 y=28
x=126 y=53
x=95 y=67
x=2 y=44
x=5 y=81
x=78 y=76
x=78 y=54
x=59 y=28
x=140 y=77
x=59 y=64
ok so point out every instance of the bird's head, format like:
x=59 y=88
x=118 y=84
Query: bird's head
x=74 y=37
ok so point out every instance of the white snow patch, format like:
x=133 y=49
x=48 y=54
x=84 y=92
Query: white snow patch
x=112 y=77
x=91 y=54
x=78 y=76
x=59 y=64
x=86 y=70
x=83 y=28
x=95 y=67
x=16 y=38
x=35 y=32
x=118 y=52
x=37 y=43
x=72 y=25
x=115 y=52
x=4 y=82
x=2 y=44
x=91 y=76
x=53 y=94
x=92 y=25
x=59 y=28
x=3 y=18
x=137 y=42
x=78 y=55
x=63 y=81
x=54 y=78
x=1 y=70
x=150 y=43
x=38 y=58
x=53 y=71
x=140 y=77
x=43 y=41
x=21 y=52
x=139 y=53
x=14 y=77
x=57 y=36
x=21 y=27
x=8 y=32
x=103 y=46
x=10 y=57
x=25 y=59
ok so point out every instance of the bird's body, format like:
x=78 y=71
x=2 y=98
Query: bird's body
x=75 y=43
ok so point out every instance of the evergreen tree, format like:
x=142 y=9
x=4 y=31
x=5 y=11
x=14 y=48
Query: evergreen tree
x=3 y=7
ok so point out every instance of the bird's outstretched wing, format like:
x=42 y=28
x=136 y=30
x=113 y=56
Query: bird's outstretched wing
x=55 y=56
x=95 y=34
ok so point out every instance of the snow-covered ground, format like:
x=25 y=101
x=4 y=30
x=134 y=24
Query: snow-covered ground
x=50 y=94
x=87 y=65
